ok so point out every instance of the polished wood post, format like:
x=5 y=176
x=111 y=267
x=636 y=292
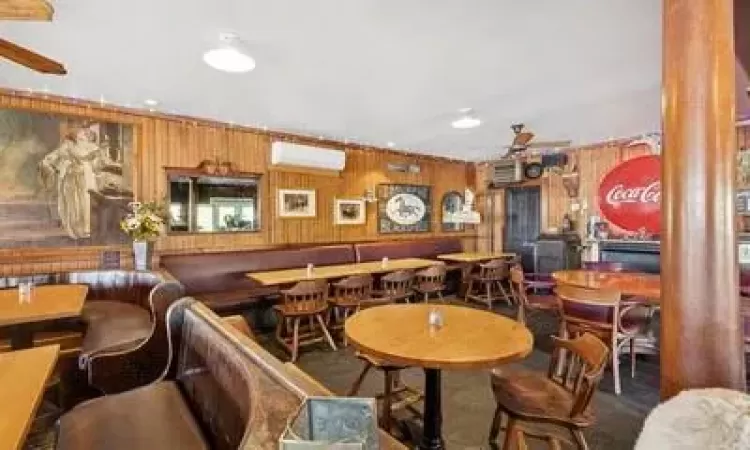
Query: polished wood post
x=701 y=338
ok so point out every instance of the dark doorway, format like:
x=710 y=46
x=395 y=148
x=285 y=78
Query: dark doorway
x=522 y=222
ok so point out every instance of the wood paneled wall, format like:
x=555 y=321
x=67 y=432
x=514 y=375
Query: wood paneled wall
x=169 y=141
x=743 y=137
x=593 y=163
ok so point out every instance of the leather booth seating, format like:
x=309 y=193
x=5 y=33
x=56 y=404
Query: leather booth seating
x=118 y=318
x=220 y=390
x=218 y=279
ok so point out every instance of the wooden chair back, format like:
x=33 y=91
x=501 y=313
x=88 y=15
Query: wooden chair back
x=306 y=295
x=603 y=266
x=517 y=286
x=397 y=284
x=353 y=289
x=432 y=275
x=578 y=365
x=592 y=310
x=495 y=270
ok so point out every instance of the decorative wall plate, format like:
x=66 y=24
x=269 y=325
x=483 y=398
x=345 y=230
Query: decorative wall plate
x=404 y=208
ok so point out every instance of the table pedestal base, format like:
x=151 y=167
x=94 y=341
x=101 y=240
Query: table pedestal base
x=432 y=437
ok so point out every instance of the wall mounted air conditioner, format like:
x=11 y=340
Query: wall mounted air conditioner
x=289 y=155
x=506 y=171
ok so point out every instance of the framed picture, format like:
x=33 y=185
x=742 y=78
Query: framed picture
x=404 y=208
x=349 y=212
x=296 y=203
x=69 y=176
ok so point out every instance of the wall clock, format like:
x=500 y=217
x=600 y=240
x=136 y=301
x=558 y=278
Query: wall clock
x=404 y=208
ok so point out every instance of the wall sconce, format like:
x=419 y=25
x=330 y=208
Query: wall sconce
x=571 y=182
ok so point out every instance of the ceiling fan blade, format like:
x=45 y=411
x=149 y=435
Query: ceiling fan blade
x=522 y=139
x=550 y=144
x=30 y=59
x=26 y=10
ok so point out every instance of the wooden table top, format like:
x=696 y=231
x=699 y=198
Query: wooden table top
x=628 y=283
x=275 y=277
x=475 y=256
x=49 y=302
x=23 y=374
x=469 y=339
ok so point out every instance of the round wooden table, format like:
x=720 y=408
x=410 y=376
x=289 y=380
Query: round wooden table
x=628 y=283
x=468 y=339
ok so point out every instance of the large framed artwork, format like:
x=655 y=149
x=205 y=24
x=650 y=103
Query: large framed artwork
x=404 y=208
x=64 y=180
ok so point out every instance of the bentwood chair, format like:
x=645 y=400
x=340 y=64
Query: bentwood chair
x=529 y=303
x=602 y=313
x=561 y=398
x=490 y=279
x=349 y=296
x=431 y=281
x=306 y=301
x=397 y=286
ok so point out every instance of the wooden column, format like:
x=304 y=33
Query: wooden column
x=701 y=339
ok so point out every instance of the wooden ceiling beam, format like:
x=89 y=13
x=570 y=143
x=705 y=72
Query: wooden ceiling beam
x=38 y=10
x=30 y=59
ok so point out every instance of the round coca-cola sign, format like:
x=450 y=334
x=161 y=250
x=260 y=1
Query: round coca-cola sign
x=629 y=195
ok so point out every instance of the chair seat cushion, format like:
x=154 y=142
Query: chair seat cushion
x=114 y=326
x=150 y=417
x=532 y=394
x=542 y=301
x=429 y=287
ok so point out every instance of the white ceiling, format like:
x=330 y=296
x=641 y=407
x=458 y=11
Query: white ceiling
x=370 y=71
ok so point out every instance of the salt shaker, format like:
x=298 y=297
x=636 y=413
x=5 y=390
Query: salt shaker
x=436 y=318
x=310 y=270
x=384 y=262
x=24 y=292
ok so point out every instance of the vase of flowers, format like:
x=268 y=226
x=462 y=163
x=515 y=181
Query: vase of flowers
x=144 y=224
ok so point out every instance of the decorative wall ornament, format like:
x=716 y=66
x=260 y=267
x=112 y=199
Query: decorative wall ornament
x=349 y=212
x=296 y=203
x=468 y=214
x=404 y=208
x=64 y=181
x=652 y=140
x=452 y=208
x=571 y=181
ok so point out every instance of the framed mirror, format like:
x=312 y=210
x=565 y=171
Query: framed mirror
x=200 y=203
x=452 y=204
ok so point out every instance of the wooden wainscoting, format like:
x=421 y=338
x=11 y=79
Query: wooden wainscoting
x=172 y=141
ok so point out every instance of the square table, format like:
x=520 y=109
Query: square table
x=48 y=303
x=288 y=276
x=23 y=375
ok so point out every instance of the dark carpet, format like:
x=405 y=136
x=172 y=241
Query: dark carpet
x=468 y=405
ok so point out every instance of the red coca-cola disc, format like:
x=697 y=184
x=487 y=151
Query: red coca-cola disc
x=630 y=195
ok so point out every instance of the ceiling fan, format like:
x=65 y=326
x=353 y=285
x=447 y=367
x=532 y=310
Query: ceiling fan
x=31 y=10
x=522 y=141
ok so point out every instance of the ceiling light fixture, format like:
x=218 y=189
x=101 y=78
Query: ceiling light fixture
x=228 y=57
x=467 y=120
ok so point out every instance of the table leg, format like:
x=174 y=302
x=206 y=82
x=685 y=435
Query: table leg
x=432 y=437
x=21 y=337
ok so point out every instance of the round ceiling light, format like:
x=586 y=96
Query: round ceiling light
x=467 y=120
x=228 y=57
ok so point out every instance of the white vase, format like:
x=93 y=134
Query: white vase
x=142 y=254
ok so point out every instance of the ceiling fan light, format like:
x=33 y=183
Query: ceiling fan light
x=229 y=59
x=466 y=122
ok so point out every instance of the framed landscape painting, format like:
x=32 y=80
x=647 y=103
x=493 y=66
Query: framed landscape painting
x=349 y=212
x=404 y=208
x=64 y=180
x=296 y=203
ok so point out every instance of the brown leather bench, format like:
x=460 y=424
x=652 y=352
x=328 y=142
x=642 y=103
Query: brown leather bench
x=219 y=281
x=426 y=248
x=222 y=391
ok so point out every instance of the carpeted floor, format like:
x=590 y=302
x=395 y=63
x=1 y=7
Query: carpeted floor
x=467 y=400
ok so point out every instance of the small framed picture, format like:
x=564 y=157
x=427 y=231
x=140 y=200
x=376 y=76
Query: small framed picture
x=296 y=203
x=349 y=212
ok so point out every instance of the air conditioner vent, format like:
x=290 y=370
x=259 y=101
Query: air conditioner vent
x=506 y=172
